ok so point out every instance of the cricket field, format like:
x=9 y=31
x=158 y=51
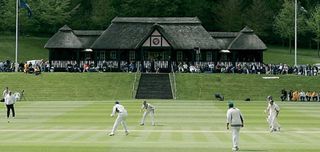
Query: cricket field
x=181 y=126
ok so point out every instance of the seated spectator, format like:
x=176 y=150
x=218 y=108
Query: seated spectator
x=283 y=95
x=308 y=95
x=86 y=67
x=192 y=68
x=185 y=66
x=26 y=68
x=295 y=95
x=302 y=95
x=37 y=70
x=314 y=96
x=180 y=67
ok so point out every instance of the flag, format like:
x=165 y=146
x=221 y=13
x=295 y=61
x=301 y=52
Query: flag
x=25 y=5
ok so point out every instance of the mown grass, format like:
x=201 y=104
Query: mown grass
x=30 y=48
x=181 y=126
x=70 y=86
x=278 y=54
x=190 y=86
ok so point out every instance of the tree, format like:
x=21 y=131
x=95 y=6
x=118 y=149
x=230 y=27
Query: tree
x=314 y=24
x=48 y=16
x=259 y=17
x=7 y=15
x=229 y=15
x=284 y=22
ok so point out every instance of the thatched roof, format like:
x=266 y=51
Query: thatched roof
x=64 y=38
x=87 y=37
x=181 y=33
x=247 y=40
x=224 y=38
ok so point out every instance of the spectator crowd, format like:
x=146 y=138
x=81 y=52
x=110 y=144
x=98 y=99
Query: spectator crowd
x=296 y=95
x=38 y=66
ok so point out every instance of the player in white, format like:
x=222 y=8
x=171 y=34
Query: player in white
x=235 y=120
x=148 y=108
x=272 y=111
x=122 y=114
x=4 y=93
x=9 y=102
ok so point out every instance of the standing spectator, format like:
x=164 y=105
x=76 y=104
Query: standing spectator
x=235 y=119
x=9 y=101
x=148 y=108
x=122 y=114
x=273 y=112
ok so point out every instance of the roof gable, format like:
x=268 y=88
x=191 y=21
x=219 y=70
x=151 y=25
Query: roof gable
x=64 y=38
x=131 y=33
x=247 y=40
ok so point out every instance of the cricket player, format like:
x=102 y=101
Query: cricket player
x=5 y=93
x=272 y=112
x=148 y=108
x=235 y=120
x=9 y=101
x=122 y=114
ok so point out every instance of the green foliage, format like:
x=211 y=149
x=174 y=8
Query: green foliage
x=229 y=15
x=284 y=21
x=7 y=15
x=259 y=17
x=48 y=16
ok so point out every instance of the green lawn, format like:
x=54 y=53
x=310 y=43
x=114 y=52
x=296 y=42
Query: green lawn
x=277 y=54
x=181 y=126
x=30 y=48
x=190 y=86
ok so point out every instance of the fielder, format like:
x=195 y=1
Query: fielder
x=235 y=119
x=148 y=108
x=273 y=112
x=122 y=114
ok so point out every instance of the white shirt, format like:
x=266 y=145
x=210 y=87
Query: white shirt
x=118 y=108
x=149 y=107
x=9 y=100
x=5 y=92
x=234 y=117
x=272 y=109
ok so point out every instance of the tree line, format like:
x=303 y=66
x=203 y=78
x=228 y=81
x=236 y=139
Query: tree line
x=272 y=20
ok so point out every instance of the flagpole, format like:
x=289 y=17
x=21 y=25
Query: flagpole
x=17 y=35
x=295 y=32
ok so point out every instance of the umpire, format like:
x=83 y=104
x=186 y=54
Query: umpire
x=9 y=101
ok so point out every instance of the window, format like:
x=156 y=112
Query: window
x=102 y=55
x=113 y=55
x=132 y=56
x=179 y=56
x=209 y=56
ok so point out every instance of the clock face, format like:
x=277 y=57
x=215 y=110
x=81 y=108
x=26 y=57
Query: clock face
x=155 y=41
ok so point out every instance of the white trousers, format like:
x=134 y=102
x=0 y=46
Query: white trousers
x=273 y=122
x=235 y=136
x=151 y=112
x=120 y=119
